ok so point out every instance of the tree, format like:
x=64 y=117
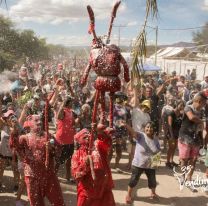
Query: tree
x=16 y=45
x=201 y=37
x=9 y=43
x=33 y=47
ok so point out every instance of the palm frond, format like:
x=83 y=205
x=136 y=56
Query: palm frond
x=151 y=7
x=139 y=48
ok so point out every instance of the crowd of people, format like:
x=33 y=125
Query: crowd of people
x=153 y=109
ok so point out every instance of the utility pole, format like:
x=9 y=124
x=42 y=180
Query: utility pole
x=119 y=32
x=156 y=38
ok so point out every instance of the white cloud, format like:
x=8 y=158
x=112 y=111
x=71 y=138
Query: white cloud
x=132 y=23
x=205 y=6
x=3 y=12
x=57 y=11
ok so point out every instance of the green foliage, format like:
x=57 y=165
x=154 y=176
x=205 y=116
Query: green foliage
x=6 y=60
x=56 y=50
x=16 y=45
x=25 y=98
x=201 y=37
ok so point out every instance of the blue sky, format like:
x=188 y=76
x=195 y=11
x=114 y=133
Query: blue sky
x=66 y=21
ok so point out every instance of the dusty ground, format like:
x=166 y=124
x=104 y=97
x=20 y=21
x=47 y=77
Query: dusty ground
x=168 y=189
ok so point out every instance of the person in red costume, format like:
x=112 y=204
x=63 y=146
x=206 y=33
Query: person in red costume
x=40 y=181
x=92 y=172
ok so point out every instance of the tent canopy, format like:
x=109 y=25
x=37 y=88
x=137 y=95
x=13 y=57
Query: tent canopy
x=149 y=67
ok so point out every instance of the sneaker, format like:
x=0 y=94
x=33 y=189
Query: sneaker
x=182 y=180
x=169 y=165
x=118 y=170
x=192 y=188
x=174 y=164
x=154 y=197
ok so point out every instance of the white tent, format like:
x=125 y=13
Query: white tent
x=127 y=56
x=173 y=52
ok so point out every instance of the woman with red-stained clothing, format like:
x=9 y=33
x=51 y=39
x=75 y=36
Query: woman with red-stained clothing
x=97 y=191
x=40 y=181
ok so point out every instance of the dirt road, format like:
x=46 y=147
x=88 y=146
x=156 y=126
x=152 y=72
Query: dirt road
x=168 y=189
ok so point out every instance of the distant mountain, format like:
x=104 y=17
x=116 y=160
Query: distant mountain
x=179 y=44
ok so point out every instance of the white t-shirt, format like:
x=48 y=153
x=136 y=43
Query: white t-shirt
x=139 y=118
x=4 y=144
x=204 y=85
x=145 y=149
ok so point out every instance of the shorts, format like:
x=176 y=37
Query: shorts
x=137 y=172
x=188 y=151
x=120 y=132
x=66 y=153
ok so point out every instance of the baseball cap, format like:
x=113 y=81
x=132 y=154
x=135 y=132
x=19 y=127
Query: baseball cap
x=146 y=103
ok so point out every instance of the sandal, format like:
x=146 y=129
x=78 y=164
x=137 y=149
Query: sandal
x=128 y=200
x=154 y=197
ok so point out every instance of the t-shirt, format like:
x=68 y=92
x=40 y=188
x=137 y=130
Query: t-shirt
x=188 y=132
x=204 y=85
x=66 y=128
x=139 y=118
x=145 y=149
x=176 y=123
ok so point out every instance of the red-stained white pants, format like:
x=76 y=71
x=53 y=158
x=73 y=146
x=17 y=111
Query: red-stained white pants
x=106 y=200
x=42 y=187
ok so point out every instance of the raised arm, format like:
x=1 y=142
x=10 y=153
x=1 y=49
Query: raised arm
x=57 y=88
x=16 y=141
x=161 y=89
x=132 y=133
x=170 y=123
x=60 y=113
x=135 y=97
x=23 y=114
x=85 y=75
